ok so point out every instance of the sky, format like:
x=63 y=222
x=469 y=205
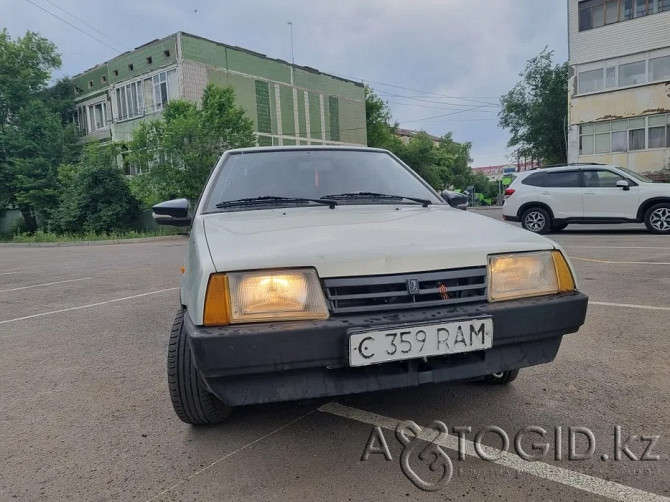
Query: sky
x=441 y=65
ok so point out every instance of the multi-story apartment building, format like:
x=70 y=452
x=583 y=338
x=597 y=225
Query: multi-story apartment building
x=289 y=104
x=619 y=87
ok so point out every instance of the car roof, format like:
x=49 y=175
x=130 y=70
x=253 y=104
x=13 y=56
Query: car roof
x=566 y=167
x=356 y=148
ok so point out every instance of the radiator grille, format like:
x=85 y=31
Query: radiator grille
x=406 y=291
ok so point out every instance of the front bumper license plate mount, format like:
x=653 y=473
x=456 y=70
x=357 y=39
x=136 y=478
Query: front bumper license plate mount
x=396 y=343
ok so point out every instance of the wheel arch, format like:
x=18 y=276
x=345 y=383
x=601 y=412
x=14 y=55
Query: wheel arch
x=525 y=207
x=647 y=204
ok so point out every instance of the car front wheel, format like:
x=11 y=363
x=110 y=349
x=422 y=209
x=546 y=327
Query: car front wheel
x=657 y=218
x=191 y=401
x=502 y=378
x=536 y=220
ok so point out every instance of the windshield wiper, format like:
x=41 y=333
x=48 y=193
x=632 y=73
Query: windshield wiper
x=375 y=195
x=273 y=199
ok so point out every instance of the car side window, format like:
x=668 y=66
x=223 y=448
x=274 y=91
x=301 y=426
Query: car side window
x=535 y=180
x=563 y=179
x=601 y=179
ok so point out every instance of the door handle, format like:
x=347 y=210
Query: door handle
x=589 y=193
x=545 y=193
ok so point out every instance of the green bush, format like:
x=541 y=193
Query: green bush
x=94 y=196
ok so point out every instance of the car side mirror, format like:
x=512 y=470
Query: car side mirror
x=455 y=199
x=172 y=212
x=623 y=184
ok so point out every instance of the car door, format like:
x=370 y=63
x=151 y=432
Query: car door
x=562 y=192
x=604 y=199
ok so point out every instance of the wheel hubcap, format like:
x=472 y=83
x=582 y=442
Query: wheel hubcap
x=660 y=219
x=535 y=221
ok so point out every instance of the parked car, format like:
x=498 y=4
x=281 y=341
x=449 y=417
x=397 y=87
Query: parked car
x=550 y=199
x=455 y=199
x=321 y=271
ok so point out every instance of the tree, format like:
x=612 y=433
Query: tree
x=177 y=152
x=33 y=137
x=535 y=110
x=442 y=165
x=93 y=194
x=380 y=131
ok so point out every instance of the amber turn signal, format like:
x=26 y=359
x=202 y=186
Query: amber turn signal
x=217 y=303
x=566 y=282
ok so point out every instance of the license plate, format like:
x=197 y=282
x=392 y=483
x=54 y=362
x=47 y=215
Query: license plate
x=410 y=342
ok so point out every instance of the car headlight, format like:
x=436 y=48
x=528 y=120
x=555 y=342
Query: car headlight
x=278 y=295
x=522 y=275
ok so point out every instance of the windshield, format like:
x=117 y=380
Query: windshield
x=313 y=174
x=636 y=176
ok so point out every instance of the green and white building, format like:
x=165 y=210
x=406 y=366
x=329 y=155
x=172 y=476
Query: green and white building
x=289 y=104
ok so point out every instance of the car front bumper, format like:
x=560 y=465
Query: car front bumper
x=284 y=361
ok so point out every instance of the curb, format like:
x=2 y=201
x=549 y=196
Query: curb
x=136 y=240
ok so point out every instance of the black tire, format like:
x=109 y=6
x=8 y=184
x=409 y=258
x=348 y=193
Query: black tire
x=536 y=219
x=192 y=403
x=502 y=378
x=657 y=218
x=558 y=227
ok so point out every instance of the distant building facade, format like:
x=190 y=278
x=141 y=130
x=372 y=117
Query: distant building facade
x=406 y=134
x=289 y=104
x=619 y=87
x=495 y=173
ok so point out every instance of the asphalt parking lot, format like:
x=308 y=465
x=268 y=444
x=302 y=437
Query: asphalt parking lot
x=85 y=412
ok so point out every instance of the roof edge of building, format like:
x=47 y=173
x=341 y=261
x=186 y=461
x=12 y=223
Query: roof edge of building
x=222 y=44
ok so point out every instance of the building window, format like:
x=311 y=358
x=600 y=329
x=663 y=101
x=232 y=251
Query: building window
x=263 y=107
x=130 y=101
x=610 y=77
x=632 y=73
x=116 y=73
x=658 y=129
x=625 y=135
x=591 y=81
x=90 y=84
x=653 y=66
x=149 y=60
x=659 y=68
x=78 y=118
x=597 y=13
x=97 y=116
x=602 y=137
x=586 y=139
x=636 y=134
x=619 y=135
x=160 y=89
x=131 y=67
x=103 y=79
x=166 y=53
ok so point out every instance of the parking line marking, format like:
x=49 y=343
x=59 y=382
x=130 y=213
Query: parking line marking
x=88 y=306
x=629 y=305
x=621 y=262
x=230 y=455
x=9 y=273
x=576 y=480
x=44 y=284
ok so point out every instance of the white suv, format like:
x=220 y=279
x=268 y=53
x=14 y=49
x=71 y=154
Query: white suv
x=549 y=199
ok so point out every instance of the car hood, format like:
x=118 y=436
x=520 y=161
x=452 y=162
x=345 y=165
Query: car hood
x=360 y=240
